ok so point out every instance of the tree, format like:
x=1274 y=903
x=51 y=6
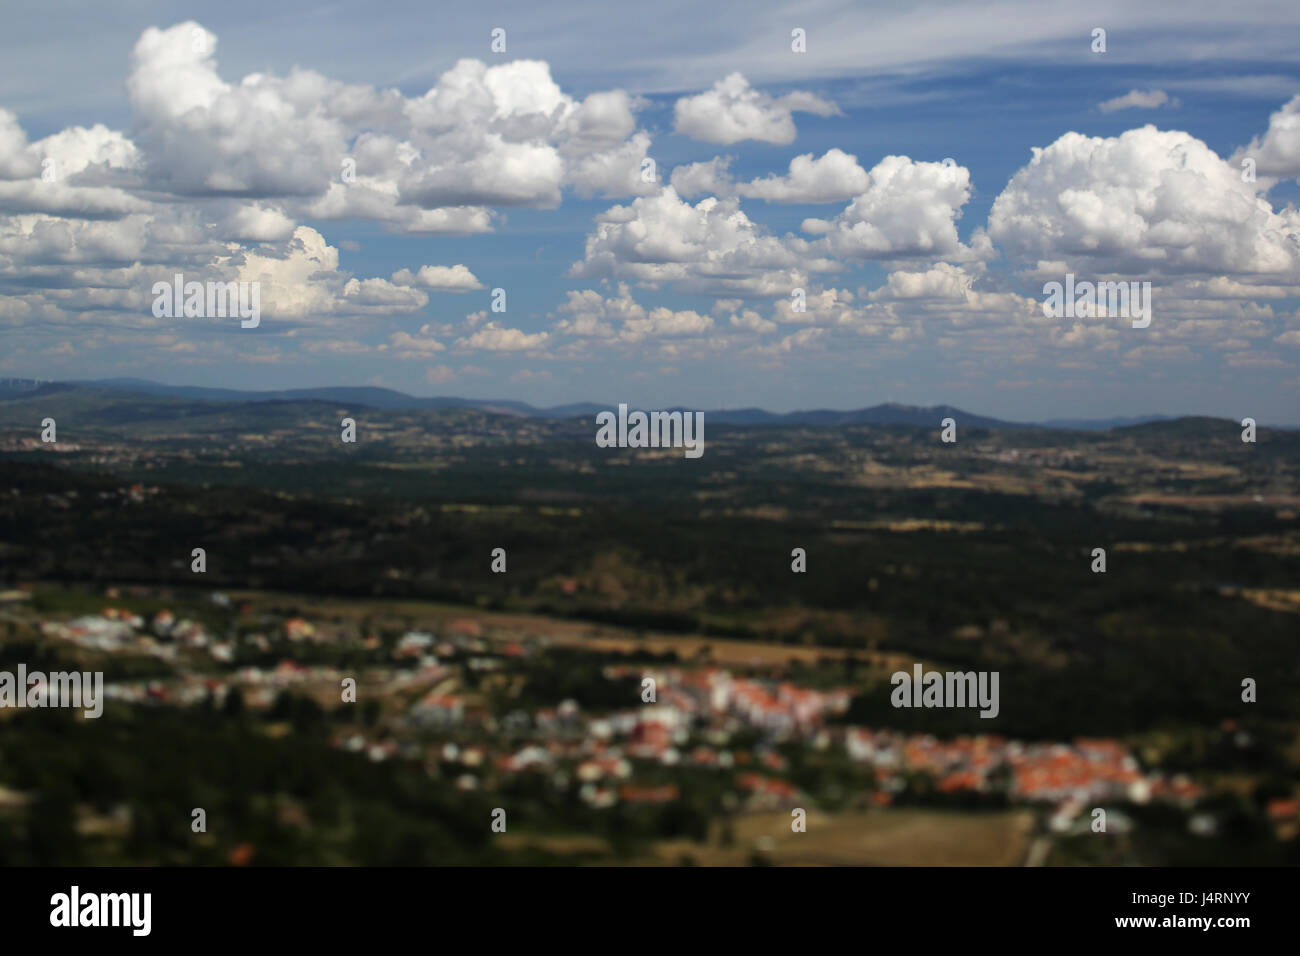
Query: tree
x=234 y=705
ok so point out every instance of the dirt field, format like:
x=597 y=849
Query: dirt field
x=879 y=838
x=562 y=633
x=904 y=837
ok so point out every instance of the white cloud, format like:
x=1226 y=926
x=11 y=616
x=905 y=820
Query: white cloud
x=943 y=281
x=500 y=172
x=215 y=165
x=76 y=173
x=1145 y=202
x=621 y=318
x=603 y=149
x=95 y=239
x=483 y=136
x=377 y=200
x=750 y=321
x=65 y=200
x=707 y=178
x=492 y=337
x=1137 y=99
x=614 y=173
x=801 y=340
x=455 y=278
x=602 y=121
x=257 y=223
x=422 y=345
x=303 y=280
x=266 y=136
x=666 y=322
x=835 y=177
x=17 y=161
x=733 y=111
x=907 y=209
x=710 y=247
x=826 y=307
x=1277 y=152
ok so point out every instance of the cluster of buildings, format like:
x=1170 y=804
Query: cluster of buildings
x=675 y=717
x=1087 y=769
x=117 y=631
x=258 y=686
x=696 y=714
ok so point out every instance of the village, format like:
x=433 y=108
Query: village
x=452 y=698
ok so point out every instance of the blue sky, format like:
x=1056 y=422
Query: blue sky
x=209 y=141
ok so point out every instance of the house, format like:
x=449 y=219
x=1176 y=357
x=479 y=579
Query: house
x=438 y=710
x=667 y=793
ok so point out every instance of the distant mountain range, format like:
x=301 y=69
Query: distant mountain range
x=887 y=414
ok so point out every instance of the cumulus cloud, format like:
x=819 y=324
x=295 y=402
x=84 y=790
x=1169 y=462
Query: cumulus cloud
x=256 y=223
x=835 y=177
x=498 y=136
x=64 y=200
x=217 y=174
x=710 y=247
x=76 y=172
x=615 y=173
x=77 y=150
x=303 y=280
x=171 y=235
x=943 y=298
x=733 y=111
x=602 y=121
x=604 y=151
x=906 y=209
x=1147 y=202
x=375 y=199
x=707 y=178
x=17 y=160
x=455 y=278
x=498 y=172
x=943 y=281
x=819 y=307
x=665 y=322
x=422 y=345
x=493 y=337
x=588 y=314
x=938 y=302
x=748 y=320
x=266 y=136
x=1277 y=152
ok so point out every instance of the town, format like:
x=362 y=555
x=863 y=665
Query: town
x=457 y=700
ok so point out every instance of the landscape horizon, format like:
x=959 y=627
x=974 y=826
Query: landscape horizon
x=375 y=397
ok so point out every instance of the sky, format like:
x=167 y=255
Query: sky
x=789 y=206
